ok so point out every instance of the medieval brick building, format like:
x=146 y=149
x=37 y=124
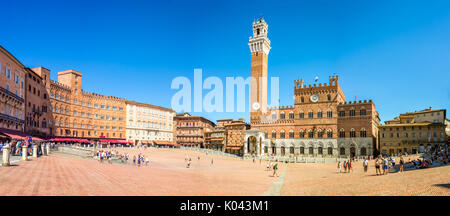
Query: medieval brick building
x=321 y=123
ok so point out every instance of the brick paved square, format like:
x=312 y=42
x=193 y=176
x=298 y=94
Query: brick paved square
x=167 y=175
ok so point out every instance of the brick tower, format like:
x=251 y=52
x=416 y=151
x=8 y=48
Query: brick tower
x=259 y=47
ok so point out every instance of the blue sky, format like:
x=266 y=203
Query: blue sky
x=396 y=53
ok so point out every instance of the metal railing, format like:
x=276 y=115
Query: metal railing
x=11 y=118
x=6 y=91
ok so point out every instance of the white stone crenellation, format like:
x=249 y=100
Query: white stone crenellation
x=259 y=41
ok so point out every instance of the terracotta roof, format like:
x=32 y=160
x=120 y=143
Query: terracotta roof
x=149 y=105
x=411 y=124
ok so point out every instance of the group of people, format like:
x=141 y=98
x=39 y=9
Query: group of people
x=436 y=156
x=16 y=147
x=348 y=166
x=384 y=164
x=140 y=160
x=104 y=155
x=380 y=164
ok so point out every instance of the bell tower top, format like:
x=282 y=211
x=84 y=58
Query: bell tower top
x=259 y=42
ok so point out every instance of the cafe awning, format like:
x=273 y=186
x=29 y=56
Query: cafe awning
x=59 y=139
x=113 y=141
x=165 y=143
x=19 y=135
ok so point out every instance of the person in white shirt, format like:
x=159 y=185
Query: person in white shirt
x=366 y=165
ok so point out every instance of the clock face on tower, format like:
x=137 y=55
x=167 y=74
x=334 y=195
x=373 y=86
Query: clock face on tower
x=314 y=98
x=256 y=106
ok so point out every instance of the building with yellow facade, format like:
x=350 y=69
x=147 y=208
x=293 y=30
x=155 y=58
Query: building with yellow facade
x=413 y=133
x=147 y=123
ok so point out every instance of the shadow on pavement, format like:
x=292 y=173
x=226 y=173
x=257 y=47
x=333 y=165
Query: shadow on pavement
x=407 y=167
x=443 y=185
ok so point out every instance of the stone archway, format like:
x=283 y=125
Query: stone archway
x=252 y=145
x=352 y=151
x=254 y=142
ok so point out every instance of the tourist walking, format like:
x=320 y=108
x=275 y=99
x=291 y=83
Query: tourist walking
x=393 y=163
x=350 y=166
x=339 y=167
x=377 y=166
x=275 y=168
x=385 y=167
x=101 y=157
x=402 y=161
x=345 y=166
x=365 y=164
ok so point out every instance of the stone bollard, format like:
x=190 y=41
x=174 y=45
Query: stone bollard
x=48 y=149
x=25 y=152
x=6 y=155
x=43 y=149
x=35 y=151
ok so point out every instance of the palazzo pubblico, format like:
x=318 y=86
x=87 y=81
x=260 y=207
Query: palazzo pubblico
x=321 y=123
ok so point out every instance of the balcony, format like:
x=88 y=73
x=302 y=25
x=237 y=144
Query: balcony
x=178 y=126
x=189 y=135
x=5 y=91
x=11 y=118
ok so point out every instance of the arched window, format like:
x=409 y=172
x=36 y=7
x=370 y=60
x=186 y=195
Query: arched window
x=266 y=150
x=302 y=133
x=342 y=133
x=362 y=112
x=310 y=134
x=311 y=150
x=282 y=151
x=329 y=97
x=302 y=99
x=291 y=134
x=319 y=114
x=291 y=115
x=352 y=132
x=363 y=151
x=320 y=150
x=274 y=134
x=291 y=150
x=342 y=151
x=302 y=150
x=362 y=133
x=329 y=133
x=282 y=116
x=310 y=114
x=330 y=151
x=352 y=112
x=329 y=114
x=320 y=133
x=301 y=115
x=282 y=134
